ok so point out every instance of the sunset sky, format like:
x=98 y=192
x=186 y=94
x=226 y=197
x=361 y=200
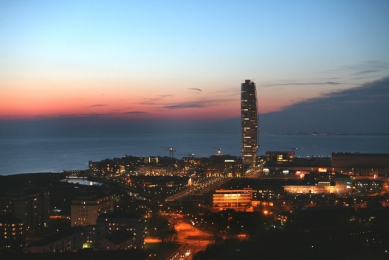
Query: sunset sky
x=183 y=59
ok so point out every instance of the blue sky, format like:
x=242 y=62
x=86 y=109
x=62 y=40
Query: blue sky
x=183 y=59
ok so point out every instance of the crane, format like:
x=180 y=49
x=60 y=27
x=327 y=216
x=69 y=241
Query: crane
x=292 y=148
x=219 y=150
x=171 y=151
x=187 y=155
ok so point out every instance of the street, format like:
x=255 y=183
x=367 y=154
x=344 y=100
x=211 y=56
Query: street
x=192 y=238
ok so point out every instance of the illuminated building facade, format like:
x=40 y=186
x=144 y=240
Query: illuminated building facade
x=224 y=165
x=68 y=240
x=29 y=205
x=343 y=185
x=238 y=200
x=12 y=234
x=280 y=156
x=126 y=226
x=249 y=118
x=85 y=209
x=310 y=189
x=284 y=163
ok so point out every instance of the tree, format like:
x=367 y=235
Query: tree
x=160 y=227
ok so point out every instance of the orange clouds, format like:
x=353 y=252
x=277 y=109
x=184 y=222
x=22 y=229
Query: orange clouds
x=33 y=97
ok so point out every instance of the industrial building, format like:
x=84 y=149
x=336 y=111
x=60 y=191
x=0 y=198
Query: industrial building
x=361 y=164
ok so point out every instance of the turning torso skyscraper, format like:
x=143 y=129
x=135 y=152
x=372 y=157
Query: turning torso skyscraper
x=249 y=123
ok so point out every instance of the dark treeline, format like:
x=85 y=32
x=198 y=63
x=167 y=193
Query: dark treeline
x=313 y=234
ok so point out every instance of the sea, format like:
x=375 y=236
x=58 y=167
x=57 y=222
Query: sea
x=31 y=155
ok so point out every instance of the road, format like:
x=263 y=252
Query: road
x=203 y=187
x=192 y=238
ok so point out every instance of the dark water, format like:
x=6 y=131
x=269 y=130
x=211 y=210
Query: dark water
x=20 y=155
x=82 y=181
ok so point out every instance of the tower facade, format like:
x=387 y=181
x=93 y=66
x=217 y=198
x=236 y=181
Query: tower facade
x=249 y=120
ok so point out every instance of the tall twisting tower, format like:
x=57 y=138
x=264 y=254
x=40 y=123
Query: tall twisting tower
x=249 y=123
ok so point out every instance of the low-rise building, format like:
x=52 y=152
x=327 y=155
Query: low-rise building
x=343 y=185
x=224 y=165
x=238 y=200
x=361 y=164
x=70 y=240
x=126 y=224
x=370 y=186
x=284 y=163
x=279 y=156
x=308 y=189
x=118 y=240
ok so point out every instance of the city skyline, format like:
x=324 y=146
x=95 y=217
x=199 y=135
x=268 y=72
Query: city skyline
x=168 y=63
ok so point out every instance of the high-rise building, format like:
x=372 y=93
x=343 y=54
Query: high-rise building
x=249 y=123
x=85 y=209
x=29 y=204
x=12 y=234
